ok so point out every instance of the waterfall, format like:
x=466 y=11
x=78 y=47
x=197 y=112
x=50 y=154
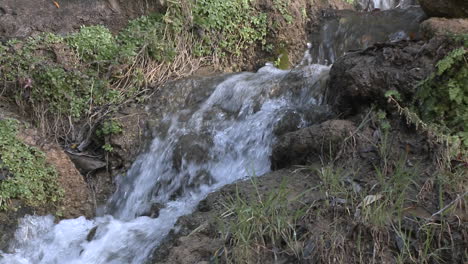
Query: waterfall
x=351 y=30
x=227 y=138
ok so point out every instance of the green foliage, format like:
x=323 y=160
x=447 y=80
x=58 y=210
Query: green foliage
x=110 y=127
x=108 y=147
x=147 y=33
x=282 y=7
x=228 y=26
x=30 y=179
x=444 y=95
x=94 y=43
x=282 y=62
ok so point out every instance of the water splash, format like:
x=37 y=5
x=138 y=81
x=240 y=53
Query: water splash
x=229 y=137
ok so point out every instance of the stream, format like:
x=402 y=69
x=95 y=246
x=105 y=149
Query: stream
x=232 y=132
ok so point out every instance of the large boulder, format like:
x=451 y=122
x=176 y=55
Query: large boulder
x=445 y=8
x=362 y=78
x=437 y=26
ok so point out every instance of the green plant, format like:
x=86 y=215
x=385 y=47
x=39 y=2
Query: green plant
x=228 y=26
x=256 y=224
x=109 y=127
x=148 y=33
x=282 y=7
x=31 y=179
x=443 y=97
x=94 y=44
x=451 y=145
x=108 y=147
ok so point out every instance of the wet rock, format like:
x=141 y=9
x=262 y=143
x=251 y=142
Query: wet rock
x=153 y=212
x=445 y=8
x=102 y=187
x=362 y=78
x=193 y=249
x=91 y=234
x=293 y=120
x=289 y=122
x=191 y=148
x=133 y=140
x=442 y=27
x=309 y=143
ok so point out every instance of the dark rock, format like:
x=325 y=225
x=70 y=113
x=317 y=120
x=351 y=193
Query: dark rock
x=85 y=163
x=153 y=212
x=293 y=120
x=91 y=234
x=191 y=148
x=309 y=143
x=445 y=8
x=362 y=78
x=289 y=122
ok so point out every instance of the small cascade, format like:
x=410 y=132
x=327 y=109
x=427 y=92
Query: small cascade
x=227 y=138
x=349 y=30
x=369 y=5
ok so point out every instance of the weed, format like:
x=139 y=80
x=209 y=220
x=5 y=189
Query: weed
x=261 y=224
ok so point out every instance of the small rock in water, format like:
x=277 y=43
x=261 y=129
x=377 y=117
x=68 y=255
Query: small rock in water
x=153 y=212
x=91 y=234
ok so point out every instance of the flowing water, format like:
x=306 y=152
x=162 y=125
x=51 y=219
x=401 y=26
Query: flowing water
x=350 y=30
x=234 y=126
x=385 y=4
